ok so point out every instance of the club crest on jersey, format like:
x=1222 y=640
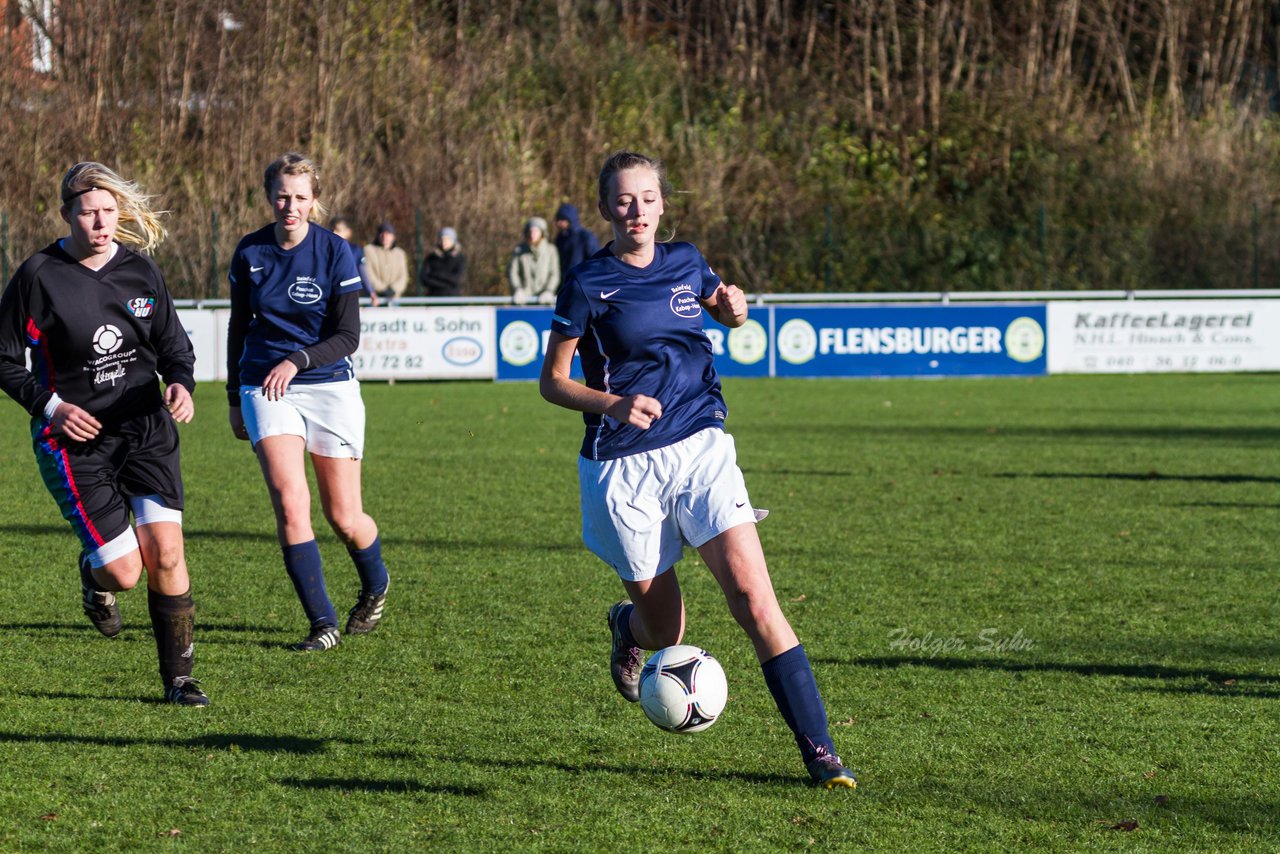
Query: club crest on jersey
x=304 y=290
x=142 y=306
x=684 y=302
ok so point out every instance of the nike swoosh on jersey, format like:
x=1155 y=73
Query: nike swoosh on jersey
x=256 y=269
x=603 y=295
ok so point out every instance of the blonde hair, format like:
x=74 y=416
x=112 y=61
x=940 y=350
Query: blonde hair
x=139 y=225
x=294 y=163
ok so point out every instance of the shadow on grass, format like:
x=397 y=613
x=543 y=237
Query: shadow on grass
x=31 y=529
x=206 y=633
x=1073 y=809
x=1247 y=691
x=1143 y=476
x=1230 y=505
x=232 y=741
x=346 y=784
x=1220 y=679
x=986 y=432
x=631 y=771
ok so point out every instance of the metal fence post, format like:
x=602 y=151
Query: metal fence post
x=418 y=251
x=1042 y=234
x=1257 y=238
x=212 y=287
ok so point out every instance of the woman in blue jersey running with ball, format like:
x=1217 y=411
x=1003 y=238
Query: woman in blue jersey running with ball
x=292 y=389
x=657 y=469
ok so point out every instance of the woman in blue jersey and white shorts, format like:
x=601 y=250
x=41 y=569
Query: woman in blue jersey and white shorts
x=657 y=470
x=292 y=389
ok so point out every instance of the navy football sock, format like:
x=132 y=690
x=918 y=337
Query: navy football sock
x=790 y=680
x=173 y=624
x=302 y=562
x=373 y=572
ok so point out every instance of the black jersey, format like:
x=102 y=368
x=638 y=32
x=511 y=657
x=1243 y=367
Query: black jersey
x=97 y=337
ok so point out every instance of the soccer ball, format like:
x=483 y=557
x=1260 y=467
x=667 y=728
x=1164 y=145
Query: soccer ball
x=682 y=689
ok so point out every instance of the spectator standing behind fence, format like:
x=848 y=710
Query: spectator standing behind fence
x=534 y=271
x=386 y=265
x=444 y=270
x=574 y=243
x=341 y=226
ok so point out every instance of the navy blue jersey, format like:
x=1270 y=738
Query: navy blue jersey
x=639 y=331
x=299 y=304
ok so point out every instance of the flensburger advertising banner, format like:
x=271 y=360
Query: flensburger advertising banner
x=523 y=334
x=909 y=341
x=522 y=342
x=1096 y=337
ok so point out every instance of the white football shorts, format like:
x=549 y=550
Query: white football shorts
x=641 y=510
x=330 y=416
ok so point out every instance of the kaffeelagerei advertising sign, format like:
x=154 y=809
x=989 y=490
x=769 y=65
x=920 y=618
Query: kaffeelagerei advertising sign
x=1162 y=336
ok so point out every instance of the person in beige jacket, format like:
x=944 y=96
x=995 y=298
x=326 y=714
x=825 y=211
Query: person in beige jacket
x=386 y=265
x=534 y=271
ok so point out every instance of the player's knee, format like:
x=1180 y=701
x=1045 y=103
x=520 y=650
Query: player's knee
x=167 y=559
x=119 y=575
x=754 y=609
x=345 y=524
x=294 y=509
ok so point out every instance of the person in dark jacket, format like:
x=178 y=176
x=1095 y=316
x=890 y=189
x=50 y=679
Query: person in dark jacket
x=444 y=270
x=574 y=242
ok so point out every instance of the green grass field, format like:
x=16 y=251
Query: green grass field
x=1039 y=610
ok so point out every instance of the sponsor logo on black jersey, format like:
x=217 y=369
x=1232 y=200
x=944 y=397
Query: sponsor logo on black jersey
x=142 y=306
x=305 y=291
x=106 y=339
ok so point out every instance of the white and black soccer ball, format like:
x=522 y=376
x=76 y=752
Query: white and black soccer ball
x=683 y=689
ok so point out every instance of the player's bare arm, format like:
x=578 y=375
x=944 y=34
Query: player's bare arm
x=728 y=305
x=236 y=417
x=277 y=380
x=74 y=423
x=559 y=388
x=179 y=403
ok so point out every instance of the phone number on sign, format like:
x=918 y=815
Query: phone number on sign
x=387 y=362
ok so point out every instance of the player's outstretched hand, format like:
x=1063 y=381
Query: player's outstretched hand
x=74 y=423
x=731 y=305
x=179 y=403
x=273 y=387
x=636 y=410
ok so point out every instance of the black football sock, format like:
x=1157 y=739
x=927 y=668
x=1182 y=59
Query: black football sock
x=173 y=623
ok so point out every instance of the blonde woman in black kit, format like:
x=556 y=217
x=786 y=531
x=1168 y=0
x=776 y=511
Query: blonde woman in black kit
x=100 y=325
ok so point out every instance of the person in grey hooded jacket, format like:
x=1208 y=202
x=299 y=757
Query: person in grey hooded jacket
x=534 y=271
